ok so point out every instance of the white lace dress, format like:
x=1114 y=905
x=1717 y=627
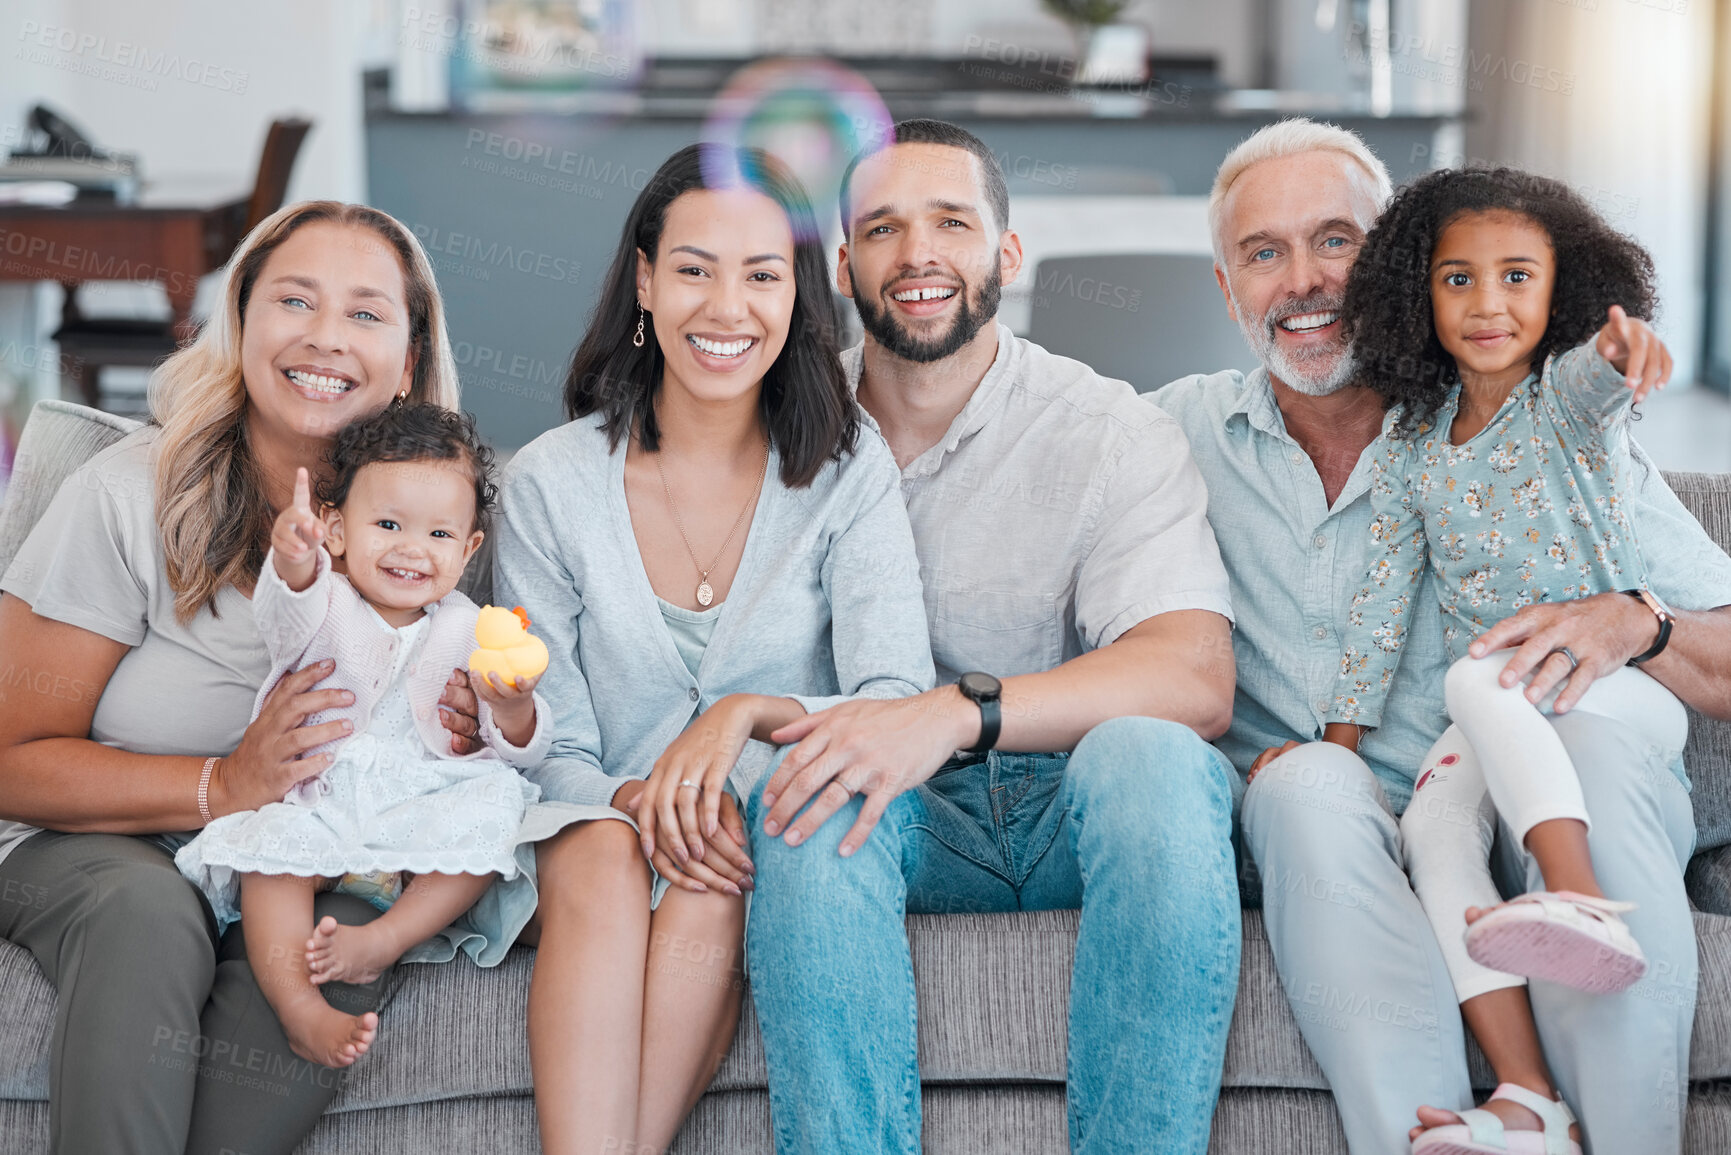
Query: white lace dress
x=387 y=803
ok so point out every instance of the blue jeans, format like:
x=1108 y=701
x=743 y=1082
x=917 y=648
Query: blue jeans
x=1134 y=828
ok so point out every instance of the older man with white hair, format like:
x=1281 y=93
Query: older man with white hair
x=1286 y=451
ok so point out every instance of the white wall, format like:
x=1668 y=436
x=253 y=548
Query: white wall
x=1625 y=123
x=191 y=85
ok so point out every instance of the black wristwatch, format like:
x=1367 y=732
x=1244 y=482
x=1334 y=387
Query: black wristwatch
x=986 y=692
x=1661 y=611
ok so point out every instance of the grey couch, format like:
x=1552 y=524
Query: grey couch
x=451 y=1068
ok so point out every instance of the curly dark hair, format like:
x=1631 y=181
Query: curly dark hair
x=1387 y=311
x=421 y=432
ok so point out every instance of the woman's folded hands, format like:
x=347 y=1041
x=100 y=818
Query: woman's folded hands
x=691 y=828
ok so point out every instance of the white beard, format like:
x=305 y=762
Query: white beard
x=1317 y=380
x=1319 y=375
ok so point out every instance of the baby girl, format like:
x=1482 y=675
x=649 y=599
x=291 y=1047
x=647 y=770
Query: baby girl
x=402 y=512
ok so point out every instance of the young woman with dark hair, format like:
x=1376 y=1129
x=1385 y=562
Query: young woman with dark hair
x=804 y=401
x=710 y=547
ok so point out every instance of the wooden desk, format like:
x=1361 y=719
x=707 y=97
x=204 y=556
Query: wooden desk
x=173 y=235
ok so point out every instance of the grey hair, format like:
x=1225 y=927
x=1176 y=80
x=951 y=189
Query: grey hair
x=1290 y=137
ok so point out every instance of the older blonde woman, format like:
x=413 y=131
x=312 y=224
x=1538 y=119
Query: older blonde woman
x=134 y=586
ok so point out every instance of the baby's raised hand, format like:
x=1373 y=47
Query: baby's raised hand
x=298 y=532
x=512 y=703
x=1635 y=351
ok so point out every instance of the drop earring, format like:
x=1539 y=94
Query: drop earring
x=637 y=337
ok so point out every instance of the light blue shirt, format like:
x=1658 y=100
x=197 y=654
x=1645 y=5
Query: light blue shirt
x=1529 y=509
x=691 y=630
x=1295 y=564
x=826 y=605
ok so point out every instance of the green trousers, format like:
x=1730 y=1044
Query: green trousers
x=163 y=1042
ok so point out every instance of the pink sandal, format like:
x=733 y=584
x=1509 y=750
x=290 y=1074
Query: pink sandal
x=1481 y=1133
x=1561 y=937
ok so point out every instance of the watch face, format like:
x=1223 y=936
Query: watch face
x=980 y=686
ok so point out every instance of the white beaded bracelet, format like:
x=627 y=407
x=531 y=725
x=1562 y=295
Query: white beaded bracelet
x=204 y=790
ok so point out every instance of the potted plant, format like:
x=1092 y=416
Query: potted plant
x=1087 y=13
x=1111 y=52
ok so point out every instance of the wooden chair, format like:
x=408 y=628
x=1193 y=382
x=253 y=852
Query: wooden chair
x=88 y=344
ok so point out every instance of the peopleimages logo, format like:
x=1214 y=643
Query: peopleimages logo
x=1424 y=58
x=129 y=57
x=497 y=255
x=40 y=258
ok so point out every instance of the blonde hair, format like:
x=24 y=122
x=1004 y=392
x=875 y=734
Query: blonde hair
x=1290 y=137
x=211 y=510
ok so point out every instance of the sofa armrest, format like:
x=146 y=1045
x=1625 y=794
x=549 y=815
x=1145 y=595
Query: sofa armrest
x=1708 y=880
x=57 y=439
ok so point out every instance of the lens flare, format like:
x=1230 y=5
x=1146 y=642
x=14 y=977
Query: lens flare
x=813 y=115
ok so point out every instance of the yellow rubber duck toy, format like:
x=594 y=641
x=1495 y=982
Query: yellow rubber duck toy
x=507 y=648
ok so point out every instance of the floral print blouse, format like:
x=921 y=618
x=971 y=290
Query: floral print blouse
x=1528 y=510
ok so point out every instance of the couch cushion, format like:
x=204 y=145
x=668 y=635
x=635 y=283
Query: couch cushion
x=994 y=995
x=57 y=439
x=958 y=1121
x=1708 y=755
x=1027 y=1118
x=27 y=1012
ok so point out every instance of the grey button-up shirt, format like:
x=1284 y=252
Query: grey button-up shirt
x=1296 y=563
x=1058 y=511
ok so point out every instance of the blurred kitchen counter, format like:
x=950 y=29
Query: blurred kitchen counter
x=520 y=200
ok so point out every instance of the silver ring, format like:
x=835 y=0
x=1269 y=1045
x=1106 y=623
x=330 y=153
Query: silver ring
x=684 y=782
x=1574 y=662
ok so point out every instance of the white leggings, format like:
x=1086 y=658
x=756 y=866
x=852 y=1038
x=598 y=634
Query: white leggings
x=1503 y=746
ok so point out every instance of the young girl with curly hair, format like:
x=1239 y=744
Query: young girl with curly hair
x=1499 y=317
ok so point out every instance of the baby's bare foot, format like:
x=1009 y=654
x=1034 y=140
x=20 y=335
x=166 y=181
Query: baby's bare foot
x=319 y=1033
x=348 y=954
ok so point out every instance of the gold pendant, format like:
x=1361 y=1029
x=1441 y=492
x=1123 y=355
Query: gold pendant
x=705 y=595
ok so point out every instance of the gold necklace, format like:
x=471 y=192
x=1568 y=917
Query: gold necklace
x=705 y=593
